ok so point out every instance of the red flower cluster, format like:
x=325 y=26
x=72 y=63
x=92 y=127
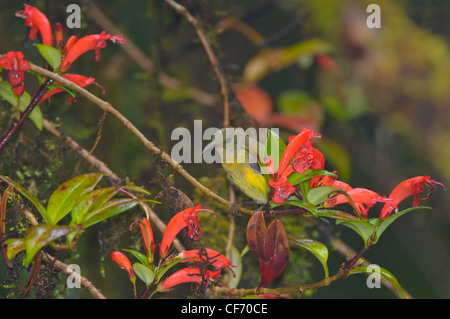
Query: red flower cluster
x=187 y=218
x=14 y=62
x=201 y=276
x=74 y=48
x=298 y=156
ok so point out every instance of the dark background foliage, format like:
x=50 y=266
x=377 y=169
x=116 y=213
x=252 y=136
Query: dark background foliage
x=383 y=112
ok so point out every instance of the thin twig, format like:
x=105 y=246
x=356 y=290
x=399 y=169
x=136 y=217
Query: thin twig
x=103 y=168
x=91 y=159
x=346 y=251
x=24 y=115
x=65 y=269
x=105 y=106
x=62 y=267
x=143 y=60
x=212 y=57
x=279 y=291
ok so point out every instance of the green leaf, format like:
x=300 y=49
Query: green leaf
x=305 y=205
x=14 y=246
x=388 y=221
x=41 y=235
x=296 y=178
x=274 y=144
x=29 y=196
x=337 y=214
x=92 y=201
x=7 y=93
x=320 y=194
x=319 y=250
x=50 y=54
x=167 y=264
x=68 y=194
x=140 y=256
x=144 y=273
x=52 y=86
x=375 y=270
x=232 y=277
x=363 y=228
x=112 y=208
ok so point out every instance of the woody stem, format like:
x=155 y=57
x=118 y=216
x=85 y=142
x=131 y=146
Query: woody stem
x=34 y=101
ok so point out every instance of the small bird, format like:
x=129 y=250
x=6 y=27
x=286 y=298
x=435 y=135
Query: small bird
x=238 y=153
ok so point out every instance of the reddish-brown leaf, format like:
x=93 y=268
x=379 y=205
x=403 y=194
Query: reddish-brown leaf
x=256 y=234
x=276 y=253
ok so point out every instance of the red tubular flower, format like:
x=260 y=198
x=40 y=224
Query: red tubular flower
x=38 y=22
x=207 y=255
x=282 y=190
x=59 y=36
x=307 y=157
x=361 y=197
x=293 y=146
x=89 y=42
x=413 y=186
x=123 y=263
x=80 y=80
x=69 y=44
x=189 y=274
x=183 y=219
x=14 y=62
x=147 y=235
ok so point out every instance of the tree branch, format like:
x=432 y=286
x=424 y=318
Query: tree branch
x=212 y=57
x=24 y=115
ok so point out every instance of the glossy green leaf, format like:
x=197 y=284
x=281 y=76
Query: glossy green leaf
x=7 y=93
x=92 y=201
x=274 y=148
x=336 y=214
x=71 y=92
x=28 y=195
x=375 y=270
x=111 y=208
x=305 y=205
x=68 y=194
x=167 y=264
x=137 y=189
x=50 y=54
x=296 y=178
x=144 y=273
x=319 y=250
x=41 y=235
x=320 y=194
x=363 y=228
x=388 y=221
x=139 y=256
x=14 y=246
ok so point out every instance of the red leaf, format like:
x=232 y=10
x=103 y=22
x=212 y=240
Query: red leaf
x=256 y=234
x=276 y=253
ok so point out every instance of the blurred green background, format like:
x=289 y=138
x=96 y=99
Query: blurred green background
x=380 y=98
